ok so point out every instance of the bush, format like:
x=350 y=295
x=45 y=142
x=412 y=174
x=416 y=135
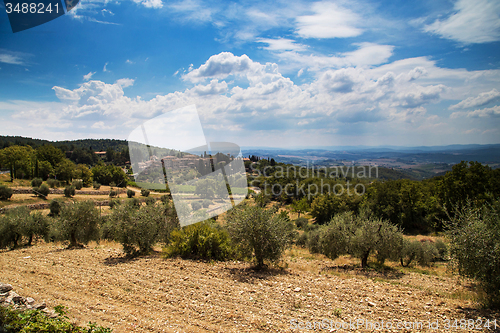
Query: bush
x=312 y=227
x=42 y=191
x=35 y=321
x=301 y=222
x=196 y=205
x=5 y=192
x=78 y=222
x=442 y=249
x=53 y=183
x=262 y=200
x=206 y=203
x=302 y=239
x=145 y=193
x=113 y=193
x=150 y=201
x=78 y=184
x=55 y=208
x=165 y=198
x=357 y=235
x=260 y=231
x=96 y=185
x=474 y=247
x=114 y=203
x=36 y=182
x=112 y=184
x=69 y=191
x=202 y=240
x=130 y=193
x=135 y=203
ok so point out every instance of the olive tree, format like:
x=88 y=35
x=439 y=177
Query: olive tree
x=18 y=224
x=139 y=228
x=474 y=247
x=357 y=235
x=263 y=232
x=78 y=222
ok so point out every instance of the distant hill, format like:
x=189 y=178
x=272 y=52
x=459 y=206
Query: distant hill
x=67 y=145
x=486 y=154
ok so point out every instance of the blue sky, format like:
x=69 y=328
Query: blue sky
x=270 y=73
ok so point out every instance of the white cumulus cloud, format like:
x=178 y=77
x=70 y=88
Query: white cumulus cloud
x=480 y=100
x=329 y=21
x=472 y=22
x=480 y=113
x=88 y=76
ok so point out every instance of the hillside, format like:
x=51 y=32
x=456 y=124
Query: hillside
x=151 y=294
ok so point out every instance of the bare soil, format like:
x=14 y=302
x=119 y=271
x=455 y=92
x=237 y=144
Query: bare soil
x=152 y=294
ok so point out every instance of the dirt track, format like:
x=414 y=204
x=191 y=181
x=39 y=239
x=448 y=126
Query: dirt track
x=151 y=294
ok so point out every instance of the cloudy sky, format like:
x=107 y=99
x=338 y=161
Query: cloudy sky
x=272 y=73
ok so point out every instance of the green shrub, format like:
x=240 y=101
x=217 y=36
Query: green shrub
x=313 y=240
x=55 y=208
x=78 y=184
x=78 y=222
x=150 y=201
x=145 y=193
x=135 y=203
x=302 y=239
x=42 y=191
x=312 y=227
x=203 y=240
x=196 y=205
x=113 y=203
x=301 y=222
x=36 y=321
x=474 y=236
x=113 y=193
x=206 y=203
x=5 y=192
x=69 y=191
x=165 y=198
x=112 y=184
x=130 y=193
x=260 y=231
x=442 y=249
x=53 y=183
x=96 y=186
x=36 y=182
x=168 y=222
x=262 y=200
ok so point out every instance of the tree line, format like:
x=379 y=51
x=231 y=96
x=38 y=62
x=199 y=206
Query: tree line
x=48 y=162
x=415 y=206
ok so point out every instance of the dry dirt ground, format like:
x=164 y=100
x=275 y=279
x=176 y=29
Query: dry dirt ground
x=152 y=294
